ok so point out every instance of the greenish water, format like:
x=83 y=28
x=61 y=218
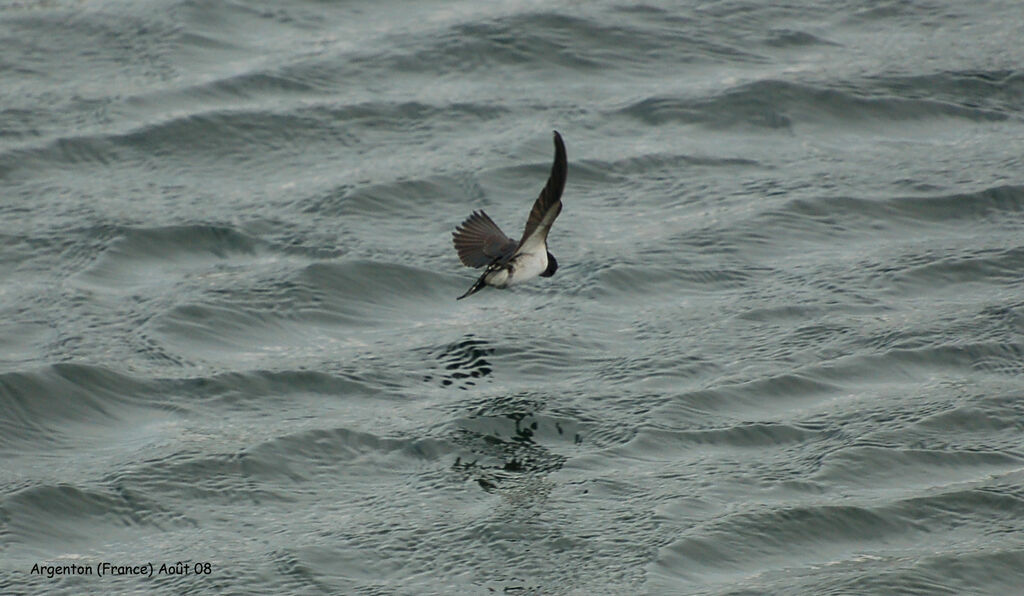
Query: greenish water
x=782 y=353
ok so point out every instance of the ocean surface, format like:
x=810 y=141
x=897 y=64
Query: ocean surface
x=783 y=354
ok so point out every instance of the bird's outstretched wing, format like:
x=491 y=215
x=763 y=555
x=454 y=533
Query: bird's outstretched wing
x=479 y=241
x=549 y=204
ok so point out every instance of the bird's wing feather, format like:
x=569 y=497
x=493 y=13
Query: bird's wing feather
x=479 y=241
x=549 y=204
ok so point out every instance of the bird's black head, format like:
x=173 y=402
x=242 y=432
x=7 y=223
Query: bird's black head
x=552 y=266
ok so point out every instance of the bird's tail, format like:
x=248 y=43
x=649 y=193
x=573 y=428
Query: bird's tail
x=479 y=285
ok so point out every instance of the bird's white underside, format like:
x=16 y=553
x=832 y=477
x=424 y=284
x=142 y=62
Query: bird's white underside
x=524 y=267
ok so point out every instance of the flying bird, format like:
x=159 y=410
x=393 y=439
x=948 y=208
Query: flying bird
x=479 y=241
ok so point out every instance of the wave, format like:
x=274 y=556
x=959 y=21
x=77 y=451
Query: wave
x=559 y=42
x=994 y=90
x=780 y=104
x=902 y=470
x=73 y=516
x=164 y=256
x=228 y=135
x=63 y=405
x=997 y=206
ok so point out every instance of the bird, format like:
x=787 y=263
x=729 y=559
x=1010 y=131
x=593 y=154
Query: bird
x=479 y=241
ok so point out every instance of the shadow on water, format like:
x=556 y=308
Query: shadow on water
x=464 y=362
x=508 y=447
x=509 y=437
